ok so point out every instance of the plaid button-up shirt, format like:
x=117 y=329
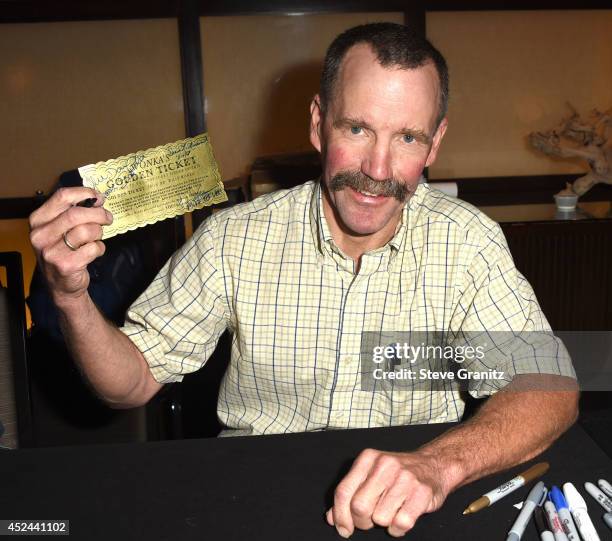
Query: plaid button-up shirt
x=271 y=272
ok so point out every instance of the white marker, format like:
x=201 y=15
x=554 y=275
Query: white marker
x=578 y=508
x=608 y=520
x=554 y=522
x=601 y=498
x=606 y=487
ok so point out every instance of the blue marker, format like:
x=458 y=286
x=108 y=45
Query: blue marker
x=557 y=497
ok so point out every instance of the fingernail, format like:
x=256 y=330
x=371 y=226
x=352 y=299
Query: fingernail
x=343 y=532
x=108 y=214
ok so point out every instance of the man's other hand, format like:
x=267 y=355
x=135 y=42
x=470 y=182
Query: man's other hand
x=66 y=238
x=386 y=489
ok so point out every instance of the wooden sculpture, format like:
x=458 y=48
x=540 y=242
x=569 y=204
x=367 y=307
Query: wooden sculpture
x=588 y=140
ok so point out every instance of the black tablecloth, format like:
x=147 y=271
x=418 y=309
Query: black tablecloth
x=268 y=487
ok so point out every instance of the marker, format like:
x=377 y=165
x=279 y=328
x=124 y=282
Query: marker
x=601 y=498
x=510 y=486
x=554 y=522
x=606 y=487
x=565 y=517
x=608 y=520
x=87 y=203
x=579 y=511
x=540 y=521
x=535 y=498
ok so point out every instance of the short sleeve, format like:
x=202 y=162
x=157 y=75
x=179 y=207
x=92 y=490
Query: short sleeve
x=176 y=323
x=499 y=313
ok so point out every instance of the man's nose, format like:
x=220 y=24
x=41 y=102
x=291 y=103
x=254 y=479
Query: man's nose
x=376 y=164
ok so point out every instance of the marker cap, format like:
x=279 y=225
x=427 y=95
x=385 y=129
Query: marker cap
x=605 y=487
x=557 y=497
x=599 y=496
x=573 y=497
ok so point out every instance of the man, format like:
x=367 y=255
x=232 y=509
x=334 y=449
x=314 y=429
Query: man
x=298 y=276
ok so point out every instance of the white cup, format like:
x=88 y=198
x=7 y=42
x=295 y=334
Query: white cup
x=566 y=202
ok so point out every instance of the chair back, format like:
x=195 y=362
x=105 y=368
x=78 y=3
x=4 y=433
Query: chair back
x=15 y=405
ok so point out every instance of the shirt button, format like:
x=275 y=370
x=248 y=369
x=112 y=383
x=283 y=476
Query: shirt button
x=347 y=360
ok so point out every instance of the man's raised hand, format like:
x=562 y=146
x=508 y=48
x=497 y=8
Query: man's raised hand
x=66 y=238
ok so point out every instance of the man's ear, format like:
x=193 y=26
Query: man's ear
x=437 y=139
x=316 y=122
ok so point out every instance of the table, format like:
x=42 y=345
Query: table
x=255 y=488
x=547 y=212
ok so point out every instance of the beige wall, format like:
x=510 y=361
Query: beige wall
x=78 y=92
x=511 y=73
x=74 y=93
x=260 y=73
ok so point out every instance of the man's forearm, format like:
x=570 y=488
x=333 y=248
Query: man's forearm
x=513 y=426
x=109 y=360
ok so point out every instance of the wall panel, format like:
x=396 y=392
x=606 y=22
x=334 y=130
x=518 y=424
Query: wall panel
x=260 y=73
x=76 y=92
x=512 y=73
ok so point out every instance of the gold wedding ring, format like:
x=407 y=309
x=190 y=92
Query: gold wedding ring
x=67 y=242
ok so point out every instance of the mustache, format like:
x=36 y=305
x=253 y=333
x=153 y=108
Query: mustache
x=362 y=183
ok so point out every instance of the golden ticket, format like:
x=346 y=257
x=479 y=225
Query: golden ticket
x=155 y=184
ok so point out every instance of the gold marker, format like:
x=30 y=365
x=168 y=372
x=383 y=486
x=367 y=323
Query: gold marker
x=523 y=478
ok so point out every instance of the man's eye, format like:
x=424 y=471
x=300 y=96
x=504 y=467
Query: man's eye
x=356 y=130
x=408 y=138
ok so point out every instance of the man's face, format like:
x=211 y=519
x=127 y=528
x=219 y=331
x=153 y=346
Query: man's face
x=376 y=136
